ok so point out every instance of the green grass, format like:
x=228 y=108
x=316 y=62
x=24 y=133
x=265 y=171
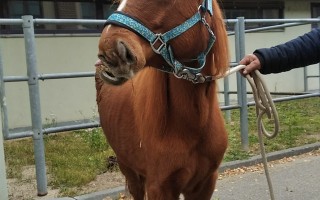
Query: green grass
x=299 y=125
x=75 y=158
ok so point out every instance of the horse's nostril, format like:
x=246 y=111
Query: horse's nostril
x=125 y=53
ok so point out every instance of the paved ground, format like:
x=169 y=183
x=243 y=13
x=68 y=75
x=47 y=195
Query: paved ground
x=295 y=180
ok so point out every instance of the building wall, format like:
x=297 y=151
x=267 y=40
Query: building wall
x=291 y=81
x=62 y=99
x=74 y=99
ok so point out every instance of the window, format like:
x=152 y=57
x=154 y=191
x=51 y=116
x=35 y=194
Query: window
x=19 y=8
x=108 y=9
x=252 y=10
x=57 y=9
x=315 y=13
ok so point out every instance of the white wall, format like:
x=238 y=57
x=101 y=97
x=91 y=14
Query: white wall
x=61 y=100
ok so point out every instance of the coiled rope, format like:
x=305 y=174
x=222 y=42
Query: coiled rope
x=264 y=105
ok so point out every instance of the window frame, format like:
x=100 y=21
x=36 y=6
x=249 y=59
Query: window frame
x=256 y=6
x=312 y=6
x=100 y=12
x=40 y=29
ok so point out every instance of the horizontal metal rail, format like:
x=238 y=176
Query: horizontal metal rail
x=15 y=78
x=57 y=129
x=276 y=100
x=313 y=76
x=65 y=75
x=18 y=135
x=97 y=124
x=11 y=21
x=102 y=21
x=71 y=127
x=304 y=20
x=69 y=21
x=50 y=76
x=272 y=93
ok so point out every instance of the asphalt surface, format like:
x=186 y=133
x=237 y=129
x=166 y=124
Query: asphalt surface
x=295 y=180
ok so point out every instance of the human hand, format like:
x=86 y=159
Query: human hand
x=252 y=63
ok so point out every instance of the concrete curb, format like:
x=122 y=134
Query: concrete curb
x=229 y=165
x=113 y=192
x=270 y=156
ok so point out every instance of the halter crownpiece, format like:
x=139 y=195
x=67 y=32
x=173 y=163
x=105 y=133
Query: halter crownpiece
x=159 y=41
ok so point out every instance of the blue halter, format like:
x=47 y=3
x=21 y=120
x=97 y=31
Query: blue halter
x=161 y=40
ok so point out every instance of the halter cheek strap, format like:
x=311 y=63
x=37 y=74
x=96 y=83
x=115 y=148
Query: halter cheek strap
x=159 y=41
x=207 y=6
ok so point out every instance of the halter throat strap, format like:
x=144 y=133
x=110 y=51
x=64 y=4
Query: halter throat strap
x=159 y=41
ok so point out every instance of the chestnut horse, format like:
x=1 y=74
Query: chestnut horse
x=167 y=132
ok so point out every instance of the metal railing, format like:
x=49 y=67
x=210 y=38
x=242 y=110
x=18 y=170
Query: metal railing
x=33 y=78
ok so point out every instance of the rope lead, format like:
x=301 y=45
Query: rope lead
x=264 y=105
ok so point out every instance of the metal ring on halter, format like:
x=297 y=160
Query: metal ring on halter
x=161 y=46
x=202 y=11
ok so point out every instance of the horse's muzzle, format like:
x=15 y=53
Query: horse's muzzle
x=108 y=76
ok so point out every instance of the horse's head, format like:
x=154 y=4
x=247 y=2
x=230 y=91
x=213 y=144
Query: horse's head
x=164 y=34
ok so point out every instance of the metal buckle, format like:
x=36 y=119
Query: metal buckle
x=162 y=43
x=202 y=11
x=187 y=75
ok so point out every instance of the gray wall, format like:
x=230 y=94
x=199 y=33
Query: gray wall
x=61 y=100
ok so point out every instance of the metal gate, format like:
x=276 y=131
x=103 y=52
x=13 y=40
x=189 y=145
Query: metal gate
x=33 y=77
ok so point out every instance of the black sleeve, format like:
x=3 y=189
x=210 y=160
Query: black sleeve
x=299 y=52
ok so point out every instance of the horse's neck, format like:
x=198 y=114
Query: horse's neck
x=191 y=102
x=163 y=96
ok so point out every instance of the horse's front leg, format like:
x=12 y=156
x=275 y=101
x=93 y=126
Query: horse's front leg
x=135 y=182
x=161 y=192
x=203 y=190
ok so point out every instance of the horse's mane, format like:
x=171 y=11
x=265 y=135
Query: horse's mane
x=220 y=48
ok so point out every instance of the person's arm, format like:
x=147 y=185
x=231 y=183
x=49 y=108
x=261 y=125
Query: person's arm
x=299 y=52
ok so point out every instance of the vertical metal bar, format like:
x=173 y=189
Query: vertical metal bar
x=305 y=79
x=241 y=83
x=3 y=104
x=319 y=77
x=226 y=98
x=34 y=96
x=3 y=179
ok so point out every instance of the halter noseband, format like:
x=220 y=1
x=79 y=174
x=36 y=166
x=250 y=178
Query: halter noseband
x=164 y=49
